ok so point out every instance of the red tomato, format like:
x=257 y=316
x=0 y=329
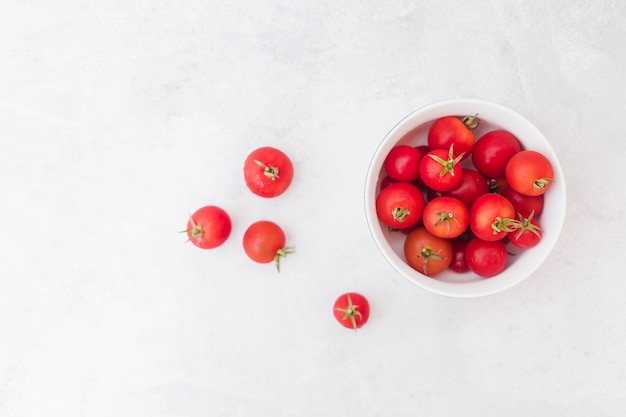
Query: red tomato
x=472 y=186
x=400 y=205
x=427 y=253
x=492 y=152
x=264 y=242
x=351 y=310
x=529 y=173
x=402 y=163
x=458 y=263
x=208 y=227
x=445 y=217
x=497 y=185
x=524 y=204
x=484 y=258
x=440 y=169
x=451 y=131
x=529 y=233
x=385 y=182
x=268 y=172
x=492 y=217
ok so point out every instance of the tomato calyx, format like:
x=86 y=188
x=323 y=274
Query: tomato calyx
x=427 y=254
x=350 y=312
x=195 y=231
x=445 y=217
x=281 y=253
x=268 y=170
x=399 y=214
x=449 y=164
x=471 y=122
x=542 y=183
x=505 y=225
x=526 y=225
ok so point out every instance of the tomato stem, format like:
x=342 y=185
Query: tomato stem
x=471 y=122
x=504 y=225
x=428 y=253
x=281 y=253
x=269 y=171
x=542 y=183
x=525 y=224
x=350 y=312
x=446 y=217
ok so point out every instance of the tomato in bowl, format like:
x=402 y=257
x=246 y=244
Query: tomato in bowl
x=413 y=131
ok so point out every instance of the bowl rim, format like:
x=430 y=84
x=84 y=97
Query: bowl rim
x=481 y=287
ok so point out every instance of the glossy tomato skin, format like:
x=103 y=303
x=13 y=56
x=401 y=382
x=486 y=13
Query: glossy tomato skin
x=436 y=176
x=264 y=241
x=400 y=205
x=493 y=151
x=402 y=163
x=471 y=186
x=529 y=173
x=352 y=310
x=445 y=217
x=448 y=131
x=485 y=258
x=524 y=204
x=458 y=263
x=209 y=227
x=268 y=172
x=489 y=211
x=427 y=253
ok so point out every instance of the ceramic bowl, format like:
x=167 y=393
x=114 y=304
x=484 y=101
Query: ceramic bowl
x=413 y=130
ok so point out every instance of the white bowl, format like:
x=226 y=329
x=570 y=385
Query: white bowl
x=412 y=130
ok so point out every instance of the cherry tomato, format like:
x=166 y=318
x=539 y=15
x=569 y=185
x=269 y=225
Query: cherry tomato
x=492 y=152
x=529 y=233
x=458 y=263
x=385 y=182
x=524 y=204
x=209 y=227
x=445 y=217
x=268 y=172
x=400 y=205
x=451 y=131
x=351 y=310
x=492 y=217
x=427 y=253
x=264 y=242
x=485 y=258
x=529 y=173
x=402 y=163
x=440 y=169
x=472 y=186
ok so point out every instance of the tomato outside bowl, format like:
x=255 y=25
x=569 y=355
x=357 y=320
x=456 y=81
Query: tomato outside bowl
x=413 y=130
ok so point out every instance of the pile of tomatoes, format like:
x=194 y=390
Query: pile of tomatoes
x=461 y=199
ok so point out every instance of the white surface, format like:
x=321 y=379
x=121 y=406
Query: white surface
x=117 y=119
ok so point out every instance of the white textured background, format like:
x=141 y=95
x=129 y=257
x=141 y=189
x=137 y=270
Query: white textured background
x=119 y=118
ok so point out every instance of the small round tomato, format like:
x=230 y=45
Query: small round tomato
x=451 y=131
x=445 y=217
x=458 y=263
x=400 y=205
x=209 y=227
x=485 y=258
x=268 y=172
x=402 y=163
x=492 y=217
x=529 y=233
x=264 y=242
x=440 y=169
x=492 y=152
x=427 y=253
x=524 y=204
x=351 y=310
x=529 y=173
x=472 y=186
